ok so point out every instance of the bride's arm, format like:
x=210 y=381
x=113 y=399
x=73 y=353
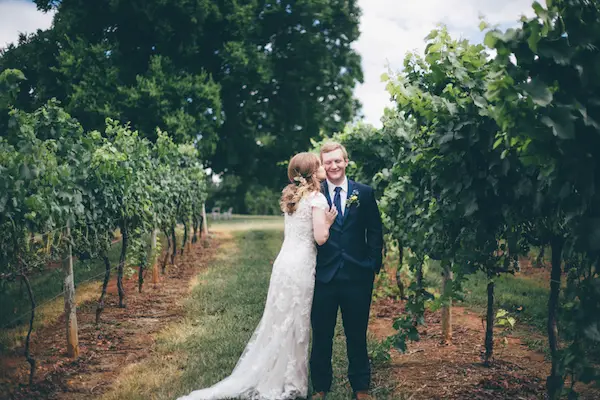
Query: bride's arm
x=322 y=221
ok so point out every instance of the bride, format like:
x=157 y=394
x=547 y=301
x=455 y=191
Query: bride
x=274 y=364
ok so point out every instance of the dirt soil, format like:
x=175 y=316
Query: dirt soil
x=125 y=335
x=537 y=273
x=432 y=370
x=428 y=371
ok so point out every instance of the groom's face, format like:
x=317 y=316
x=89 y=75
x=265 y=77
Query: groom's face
x=335 y=165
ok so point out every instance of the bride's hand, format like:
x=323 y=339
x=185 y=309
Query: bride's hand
x=330 y=215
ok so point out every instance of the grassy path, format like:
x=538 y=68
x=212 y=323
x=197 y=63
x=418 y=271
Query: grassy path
x=223 y=309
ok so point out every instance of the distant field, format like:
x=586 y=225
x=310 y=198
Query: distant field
x=245 y=222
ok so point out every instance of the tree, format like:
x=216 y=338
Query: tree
x=546 y=102
x=263 y=76
x=371 y=152
x=39 y=197
x=63 y=192
x=121 y=165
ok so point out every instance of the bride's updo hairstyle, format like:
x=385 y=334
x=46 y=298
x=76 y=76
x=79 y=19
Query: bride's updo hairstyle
x=302 y=175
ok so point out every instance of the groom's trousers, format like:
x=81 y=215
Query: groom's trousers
x=353 y=297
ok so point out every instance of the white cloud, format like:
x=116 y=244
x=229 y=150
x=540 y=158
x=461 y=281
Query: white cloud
x=391 y=28
x=20 y=16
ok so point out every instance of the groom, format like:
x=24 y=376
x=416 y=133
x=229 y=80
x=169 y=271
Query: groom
x=346 y=267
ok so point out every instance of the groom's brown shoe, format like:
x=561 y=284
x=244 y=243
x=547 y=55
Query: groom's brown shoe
x=318 y=395
x=362 y=396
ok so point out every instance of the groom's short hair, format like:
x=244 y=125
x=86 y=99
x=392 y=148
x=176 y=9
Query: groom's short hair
x=330 y=146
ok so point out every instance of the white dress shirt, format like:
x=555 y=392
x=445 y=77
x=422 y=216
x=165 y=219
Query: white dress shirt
x=343 y=192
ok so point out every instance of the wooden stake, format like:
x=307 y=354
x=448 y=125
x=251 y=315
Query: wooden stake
x=70 y=306
x=447 y=308
x=204 y=220
x=154 y=257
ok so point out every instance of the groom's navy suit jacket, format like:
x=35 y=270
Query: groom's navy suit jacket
x=353 y=250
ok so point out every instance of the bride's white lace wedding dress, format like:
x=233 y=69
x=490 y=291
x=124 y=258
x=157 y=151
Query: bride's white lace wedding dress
x=274 y=364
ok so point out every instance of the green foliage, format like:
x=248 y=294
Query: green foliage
x=384 y=287
x=37 y=185
x=263 y=201
x=9 y=86
x=489 y=157
x=546 y=103
x=249 y=83
x=223 y=193
x=379 y=353
x=504 y=320
x=368 y=150
x=54 y=173
x=449 y=188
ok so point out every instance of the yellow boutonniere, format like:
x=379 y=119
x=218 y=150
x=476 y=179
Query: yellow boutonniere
x=353 y=199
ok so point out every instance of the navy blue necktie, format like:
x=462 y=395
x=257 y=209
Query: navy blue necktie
x=337 y=202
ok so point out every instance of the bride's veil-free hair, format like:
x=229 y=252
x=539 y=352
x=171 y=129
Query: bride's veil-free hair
x=302 y=171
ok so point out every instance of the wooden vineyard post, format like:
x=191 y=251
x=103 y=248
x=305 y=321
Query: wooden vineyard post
x=204 y=220
x=188 y=243
x=154 y=257
x=447 y=307
x=70 y=306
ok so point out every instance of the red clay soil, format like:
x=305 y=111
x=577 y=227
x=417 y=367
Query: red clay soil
x=432 y=370
x=539 y=274
x=428 y=371
x=124 y=335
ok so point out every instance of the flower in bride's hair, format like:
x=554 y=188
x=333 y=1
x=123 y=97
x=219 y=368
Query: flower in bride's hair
x=300 y=180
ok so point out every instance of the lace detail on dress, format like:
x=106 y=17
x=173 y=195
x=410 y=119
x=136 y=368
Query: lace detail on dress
x=319 y=200
x=274 y=364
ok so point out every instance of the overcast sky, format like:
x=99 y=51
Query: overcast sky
x=389 y=29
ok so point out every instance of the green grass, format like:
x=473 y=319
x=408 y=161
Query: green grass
x=246 y=222
x=523 y=297
x=46 y=285
x=221 y=313
x=227 y=308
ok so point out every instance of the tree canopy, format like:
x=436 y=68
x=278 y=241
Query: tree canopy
x=248 y=82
